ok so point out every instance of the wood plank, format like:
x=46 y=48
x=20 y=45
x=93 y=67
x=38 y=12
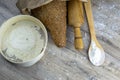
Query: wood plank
x=68 y=63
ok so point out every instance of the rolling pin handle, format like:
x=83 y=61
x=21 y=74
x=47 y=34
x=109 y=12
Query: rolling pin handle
x=78 y=39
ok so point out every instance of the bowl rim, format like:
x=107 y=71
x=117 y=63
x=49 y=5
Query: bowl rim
x=33 y=19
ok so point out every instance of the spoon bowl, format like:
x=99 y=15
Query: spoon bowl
x=96 y=53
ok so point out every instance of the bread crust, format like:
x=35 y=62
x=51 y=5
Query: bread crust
x=53 y=16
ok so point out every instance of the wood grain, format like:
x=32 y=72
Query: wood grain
x=76 y=19
x=68 y=63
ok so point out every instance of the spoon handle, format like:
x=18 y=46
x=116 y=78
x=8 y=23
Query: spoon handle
x=89 y=15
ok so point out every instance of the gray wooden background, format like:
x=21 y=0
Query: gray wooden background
x=68 y=63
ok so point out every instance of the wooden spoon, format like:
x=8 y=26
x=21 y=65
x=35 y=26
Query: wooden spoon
x=96 y=52
x=76 y=19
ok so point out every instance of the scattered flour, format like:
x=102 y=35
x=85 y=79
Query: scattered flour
x=106 y=16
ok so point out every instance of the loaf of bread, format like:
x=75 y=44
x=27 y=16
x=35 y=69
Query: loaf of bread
x=53 y=16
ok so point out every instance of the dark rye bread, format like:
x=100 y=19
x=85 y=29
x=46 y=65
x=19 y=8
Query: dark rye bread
x=53 y=16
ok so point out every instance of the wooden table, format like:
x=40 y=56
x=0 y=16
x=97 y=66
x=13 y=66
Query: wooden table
x=68 y=63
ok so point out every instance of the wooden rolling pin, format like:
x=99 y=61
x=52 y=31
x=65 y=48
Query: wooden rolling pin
x=76 y=19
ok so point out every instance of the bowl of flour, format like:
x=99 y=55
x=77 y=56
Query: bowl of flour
x=23 y=40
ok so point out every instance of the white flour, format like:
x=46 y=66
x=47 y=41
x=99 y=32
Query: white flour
x=23 y=41
x=96 y=55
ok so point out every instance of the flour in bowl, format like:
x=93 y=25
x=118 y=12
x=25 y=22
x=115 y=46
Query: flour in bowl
x=23 y=41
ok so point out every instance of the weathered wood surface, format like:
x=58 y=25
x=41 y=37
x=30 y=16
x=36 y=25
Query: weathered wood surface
x=67 y=63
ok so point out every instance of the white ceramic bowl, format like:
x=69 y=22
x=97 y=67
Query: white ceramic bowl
x=23 y=40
